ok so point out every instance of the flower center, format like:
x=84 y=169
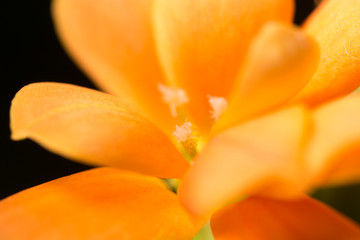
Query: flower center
x=185 y=134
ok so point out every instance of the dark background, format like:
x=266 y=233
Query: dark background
x=32 y=53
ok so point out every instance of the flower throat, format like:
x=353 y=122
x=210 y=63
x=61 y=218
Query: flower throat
x=185 y=133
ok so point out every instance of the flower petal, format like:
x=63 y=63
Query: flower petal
x=280 y=61
x=103 y=203
x=112 y=42
x=261 y=156
x=93 y=127
x=201 y=44
x=333 y=153
x=335 y=25
x=269 y=219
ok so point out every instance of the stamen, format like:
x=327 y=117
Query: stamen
x=173 y=96
x=218 y=105
x=186 y=137
x=183 y=133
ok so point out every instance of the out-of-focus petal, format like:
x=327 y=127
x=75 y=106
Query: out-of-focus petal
x=103 y=203
x=112 y=42
x=261 y=156
x=93 y=127
x=280 y=61
x=335 y=25
x=268 y=219
x=333 y=153
x=201 y=44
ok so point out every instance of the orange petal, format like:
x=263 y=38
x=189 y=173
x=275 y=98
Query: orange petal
x=94 y=128
x=280 y=61
x=333 y=154
x=269 y=219
x=112 y=42
x=335 y=25
x=201 y=44
x=103 y=203
x=261 y=156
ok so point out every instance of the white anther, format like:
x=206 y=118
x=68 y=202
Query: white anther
x=173 y=96
x=183 y=133
x=218 y=105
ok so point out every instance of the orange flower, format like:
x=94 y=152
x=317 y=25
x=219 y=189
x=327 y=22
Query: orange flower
x=230 y=86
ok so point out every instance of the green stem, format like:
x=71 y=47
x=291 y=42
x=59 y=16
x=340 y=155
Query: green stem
x=205 y=233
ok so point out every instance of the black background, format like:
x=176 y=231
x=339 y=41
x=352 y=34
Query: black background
x=32 y=53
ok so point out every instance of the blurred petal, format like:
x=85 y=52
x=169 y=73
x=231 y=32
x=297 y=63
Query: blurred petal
x=94 y=128
x=335 y=25
x=112 y=42
x=103 y=203
x=261 y=156
x=269 y=219
x=280 y=61
x=333 y=154
x=201 y=44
